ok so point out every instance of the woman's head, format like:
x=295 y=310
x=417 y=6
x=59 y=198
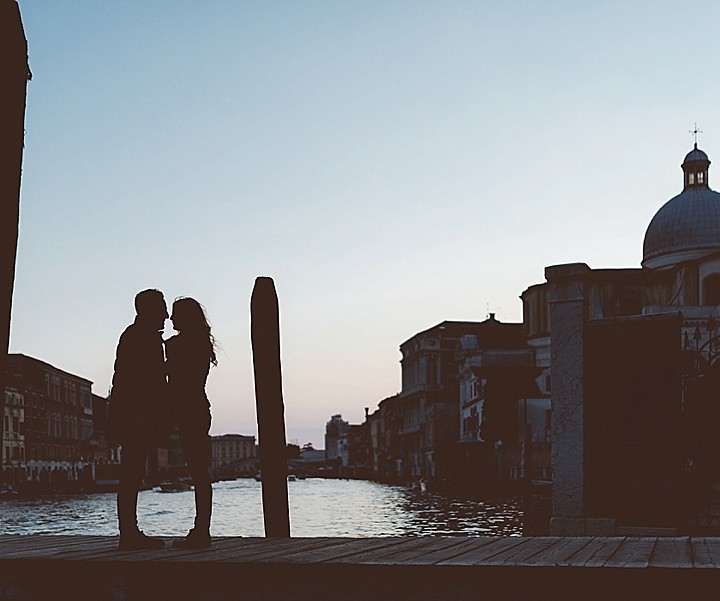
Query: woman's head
x=188 y=316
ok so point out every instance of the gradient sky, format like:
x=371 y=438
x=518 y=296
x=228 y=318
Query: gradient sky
x=389 y=164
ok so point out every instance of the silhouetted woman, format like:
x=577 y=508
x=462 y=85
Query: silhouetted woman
x=189 y=356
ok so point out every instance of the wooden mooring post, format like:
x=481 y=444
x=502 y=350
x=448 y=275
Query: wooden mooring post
x=265 y=337
x=14 y=75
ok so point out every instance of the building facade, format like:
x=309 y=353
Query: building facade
x=58 y=421
x=12 y=442
x=336 y=440
x=233 y=455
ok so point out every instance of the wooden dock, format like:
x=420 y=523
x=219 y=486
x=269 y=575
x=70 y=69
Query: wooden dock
x=363 y=569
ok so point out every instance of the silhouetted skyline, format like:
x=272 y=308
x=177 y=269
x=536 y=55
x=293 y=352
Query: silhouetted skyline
x=390 y=166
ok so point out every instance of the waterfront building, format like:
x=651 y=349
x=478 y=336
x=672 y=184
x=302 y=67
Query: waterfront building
x=102 y=451
x=376 y=447
x=12 y=442
x=336 y=442
x=233 y=455
x=57 y=420
x=386 y=440
x=470 y=411
x=310 y=455
x=503 y=413
x=428 y=401
x=633 y=354
x=356 y=444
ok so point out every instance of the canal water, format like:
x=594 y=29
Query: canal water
x=318 y=507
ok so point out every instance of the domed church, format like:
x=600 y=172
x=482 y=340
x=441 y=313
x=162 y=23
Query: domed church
x=632 y=357
x=687 y=226
x=680 y=267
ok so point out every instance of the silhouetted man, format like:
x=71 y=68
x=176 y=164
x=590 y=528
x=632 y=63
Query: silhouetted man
x=138 y=391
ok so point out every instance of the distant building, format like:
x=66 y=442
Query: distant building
x=102 y=451
x=310 y=455
x=503 y=412
x=383 y=439
x=428 y=403
x=336 y=444
x=233 y=455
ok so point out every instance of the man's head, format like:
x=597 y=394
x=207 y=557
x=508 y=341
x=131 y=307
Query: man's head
x=151 y=308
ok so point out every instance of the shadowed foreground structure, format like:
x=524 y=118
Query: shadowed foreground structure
x=14 y=75
x=376 y=569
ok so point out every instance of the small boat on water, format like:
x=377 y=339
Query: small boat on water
x=419 y=485
x=174 y=486
x=8 y=492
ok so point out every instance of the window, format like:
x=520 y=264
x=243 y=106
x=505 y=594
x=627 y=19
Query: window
x=700 y=178
x=691 y=178
x=711 y=290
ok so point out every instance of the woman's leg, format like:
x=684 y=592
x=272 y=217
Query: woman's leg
x=196 y=448
x=198 y=463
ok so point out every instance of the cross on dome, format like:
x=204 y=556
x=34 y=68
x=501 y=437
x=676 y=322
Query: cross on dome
x=695 y=133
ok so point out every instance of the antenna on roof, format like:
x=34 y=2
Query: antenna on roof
x=695 y=133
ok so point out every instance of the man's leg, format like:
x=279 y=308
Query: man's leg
x=132 y=473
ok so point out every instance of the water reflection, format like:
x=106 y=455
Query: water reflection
x=318 y=507
x=437 y=515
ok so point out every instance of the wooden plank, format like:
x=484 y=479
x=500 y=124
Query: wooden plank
x=559 y=553
x=406 y=554
x=633 y=553
x=219 y=545
x=265 y=550
x=30 y=542
x=108 y=550
x=354 y=550
x=398 y=555
x=480 y=554
x=596 y=552
x=705 y=552
x=55 y=546
x=460 y=547
x=672 y=552
x=517 y=555
x=439 y=548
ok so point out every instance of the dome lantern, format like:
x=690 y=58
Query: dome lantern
x=695 y=167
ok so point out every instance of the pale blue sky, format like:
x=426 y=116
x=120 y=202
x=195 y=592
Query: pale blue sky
x=390 y=164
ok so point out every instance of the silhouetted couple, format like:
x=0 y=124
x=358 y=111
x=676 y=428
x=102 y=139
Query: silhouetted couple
x=155 y=389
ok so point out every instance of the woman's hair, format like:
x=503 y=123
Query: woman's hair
x=196 y=322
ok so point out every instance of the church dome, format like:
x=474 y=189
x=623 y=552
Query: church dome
x=688 y=225
x=696 y=155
